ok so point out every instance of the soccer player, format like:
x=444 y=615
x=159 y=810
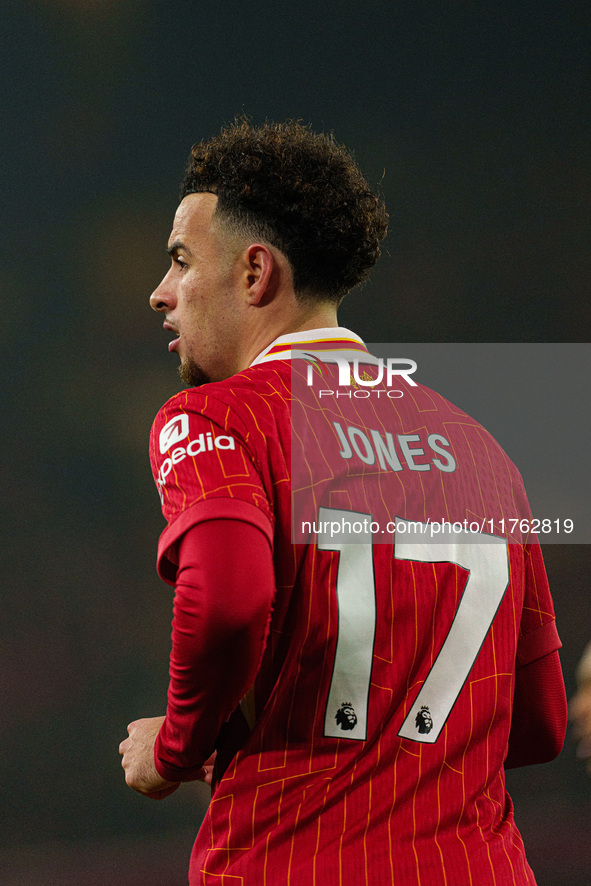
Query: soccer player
x=357 y=678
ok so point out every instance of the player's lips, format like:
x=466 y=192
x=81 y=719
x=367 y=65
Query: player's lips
x=172 y=346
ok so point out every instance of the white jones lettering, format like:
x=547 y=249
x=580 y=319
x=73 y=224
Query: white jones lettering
x=393 y=452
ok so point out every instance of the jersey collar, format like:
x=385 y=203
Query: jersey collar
x=314 y=342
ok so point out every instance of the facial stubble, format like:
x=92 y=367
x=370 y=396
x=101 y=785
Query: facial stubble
x=192 y=374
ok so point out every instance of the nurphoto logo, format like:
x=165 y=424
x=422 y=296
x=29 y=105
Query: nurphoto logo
x=385 y=371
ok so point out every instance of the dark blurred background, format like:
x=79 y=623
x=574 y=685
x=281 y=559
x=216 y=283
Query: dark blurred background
x=473 y=118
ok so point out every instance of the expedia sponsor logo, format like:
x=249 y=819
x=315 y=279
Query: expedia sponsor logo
x=202 y=443
x=173 y=432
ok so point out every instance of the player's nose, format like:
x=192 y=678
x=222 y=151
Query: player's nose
x=163 y=298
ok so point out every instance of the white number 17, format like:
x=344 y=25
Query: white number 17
x=486 y=559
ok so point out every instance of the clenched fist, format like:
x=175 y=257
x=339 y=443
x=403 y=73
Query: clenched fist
x=137 y=752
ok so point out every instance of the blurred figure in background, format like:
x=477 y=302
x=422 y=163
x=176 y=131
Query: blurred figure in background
x=580 y=708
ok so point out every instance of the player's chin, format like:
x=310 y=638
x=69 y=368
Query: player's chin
x=192 y=374
x=165 y=792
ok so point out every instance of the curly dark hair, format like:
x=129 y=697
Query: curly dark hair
x=299 y=190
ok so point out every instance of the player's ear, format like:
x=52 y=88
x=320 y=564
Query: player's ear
x=259 y=265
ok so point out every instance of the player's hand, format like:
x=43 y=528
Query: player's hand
x=580 y=714
x=137 y=752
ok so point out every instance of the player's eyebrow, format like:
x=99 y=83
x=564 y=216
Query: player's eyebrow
x=177 y=246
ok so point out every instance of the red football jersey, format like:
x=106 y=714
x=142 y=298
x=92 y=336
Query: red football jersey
x=406 y=591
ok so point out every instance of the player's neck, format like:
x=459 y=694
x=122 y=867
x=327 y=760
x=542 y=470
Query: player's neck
x=302 y=318
x=323 y=318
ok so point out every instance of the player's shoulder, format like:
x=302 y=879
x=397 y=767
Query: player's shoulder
x=471 y=439
x=259 y=394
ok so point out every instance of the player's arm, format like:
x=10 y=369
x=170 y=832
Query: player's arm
x=224 y=595
x=539 y=713
x=539 y=706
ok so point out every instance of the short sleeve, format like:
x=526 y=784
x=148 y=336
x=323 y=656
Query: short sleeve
x=203 y=469
x=537 y=635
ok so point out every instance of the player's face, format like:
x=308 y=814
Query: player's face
x=199 y=294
